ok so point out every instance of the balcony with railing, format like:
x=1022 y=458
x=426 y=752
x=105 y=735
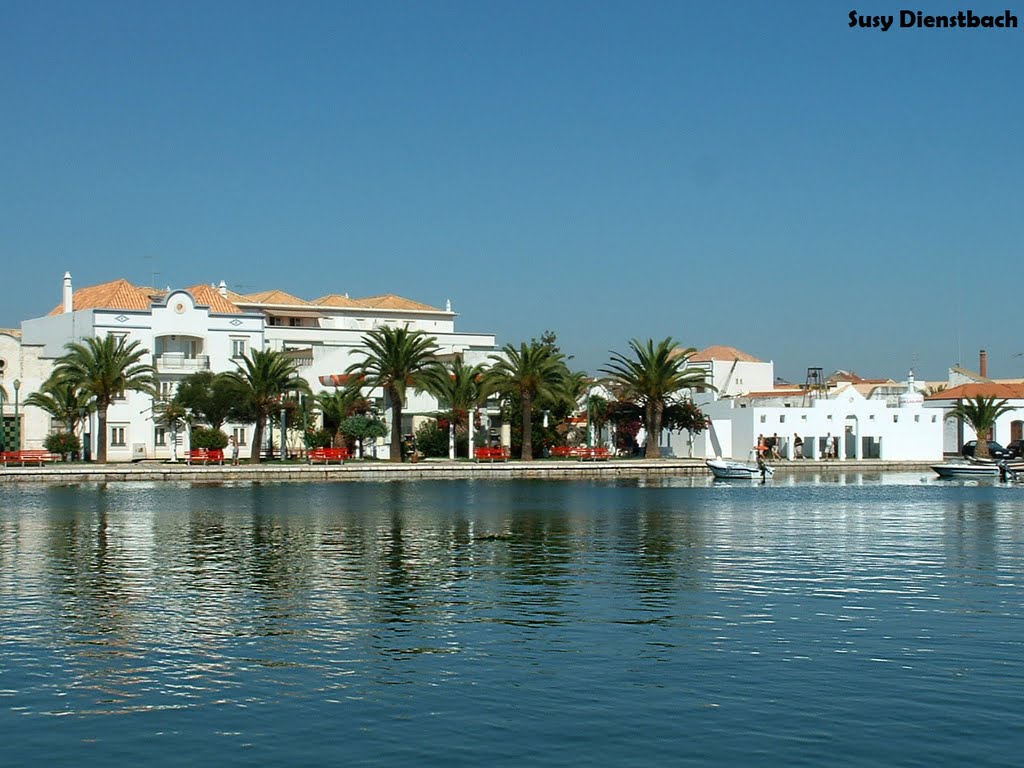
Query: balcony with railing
x=179 y=362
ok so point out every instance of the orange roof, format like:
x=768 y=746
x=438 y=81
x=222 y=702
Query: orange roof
x=391 y=301
x=11 y=332
x=117 y=294
x=273 y=297
x=210 y=297
x=722 y=354
x=777 y=393
x=336 y=300
x=981 y=389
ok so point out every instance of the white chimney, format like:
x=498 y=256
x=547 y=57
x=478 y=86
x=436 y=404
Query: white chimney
x=448 y=305
x=69 y=296
x=222 y=289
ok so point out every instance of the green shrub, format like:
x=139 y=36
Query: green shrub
x=319 y=438
x=203 y=437
x=63 y=443
x=431 y=440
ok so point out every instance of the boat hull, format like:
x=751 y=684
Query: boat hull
x=966 y=470
x=736 y=470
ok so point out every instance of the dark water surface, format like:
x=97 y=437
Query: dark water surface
x=860 y=621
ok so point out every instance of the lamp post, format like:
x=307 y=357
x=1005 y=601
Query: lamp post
x=17 y=422
x=284 y=436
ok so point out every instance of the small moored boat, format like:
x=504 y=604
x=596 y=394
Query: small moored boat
x=966 y=470
x=737 y=470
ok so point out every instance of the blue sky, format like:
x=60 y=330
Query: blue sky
x=746 y=173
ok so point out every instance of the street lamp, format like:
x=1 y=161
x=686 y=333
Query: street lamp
x=17 y=423
x=284 y=436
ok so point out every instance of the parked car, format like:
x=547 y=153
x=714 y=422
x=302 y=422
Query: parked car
x=995 y=450
x=1015 y=449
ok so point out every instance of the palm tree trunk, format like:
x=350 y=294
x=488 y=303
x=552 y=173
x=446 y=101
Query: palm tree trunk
x=257 y=439
x=396 y=428
x=101 y=437
x=527 y=454
x=654 y=411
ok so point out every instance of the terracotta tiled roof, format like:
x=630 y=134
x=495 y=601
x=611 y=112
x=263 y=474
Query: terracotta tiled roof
x=11 y=332
x=391 y=301
x=981 y=389
x=210 y=297
x=274 y=297
x=776 y=393
x=117 y=294
x=336 y=300
x=722 y=353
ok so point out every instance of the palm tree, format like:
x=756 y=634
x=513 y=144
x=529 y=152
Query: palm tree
x=103 y=369
x=173 y=415
x=338 y=405
x=62 y=400
x=981 y=413
x=264 y=376
x=651 y=378
x=461 y=391
x=397 y=358
x=533 y=372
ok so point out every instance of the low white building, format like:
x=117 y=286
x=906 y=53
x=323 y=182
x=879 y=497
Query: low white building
x=861 y=428
x=956 y=432
x=209 y=328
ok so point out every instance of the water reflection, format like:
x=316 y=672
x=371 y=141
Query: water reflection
x=162 y=598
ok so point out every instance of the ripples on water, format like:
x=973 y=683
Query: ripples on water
x=875 y=620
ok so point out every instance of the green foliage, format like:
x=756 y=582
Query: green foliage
x=651 y=379
x=431 y=440
x=64 y=443
x=397 y=358
x=61 y=399
x=981 y=413
x=203 y=437
x=533 y=376
x=363 y=427
x=338 y=405
x=319 y=438
x=263 y=378
x=212 y=398
x=103 y=369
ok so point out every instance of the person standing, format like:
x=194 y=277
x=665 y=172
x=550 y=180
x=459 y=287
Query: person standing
x=798 y=446
x=830 y=446
x=234 y=450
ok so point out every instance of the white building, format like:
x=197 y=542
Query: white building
x=1008 y=427
x=861 y=428
x=209 y=328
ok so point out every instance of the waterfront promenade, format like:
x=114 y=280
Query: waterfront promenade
x=423 y=470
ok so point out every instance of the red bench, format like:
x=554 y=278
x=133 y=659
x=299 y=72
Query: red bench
x=205 y=456
x=491 y=454
x=30 y=456
x=562 y=451
x=327 y=455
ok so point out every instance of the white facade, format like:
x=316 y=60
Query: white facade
x=861 y=428
x=207 y=328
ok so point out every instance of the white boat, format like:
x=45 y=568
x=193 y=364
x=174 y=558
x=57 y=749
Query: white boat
x=966 y=470
x=737 y=470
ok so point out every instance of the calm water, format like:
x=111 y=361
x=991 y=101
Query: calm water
x=859 y=621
